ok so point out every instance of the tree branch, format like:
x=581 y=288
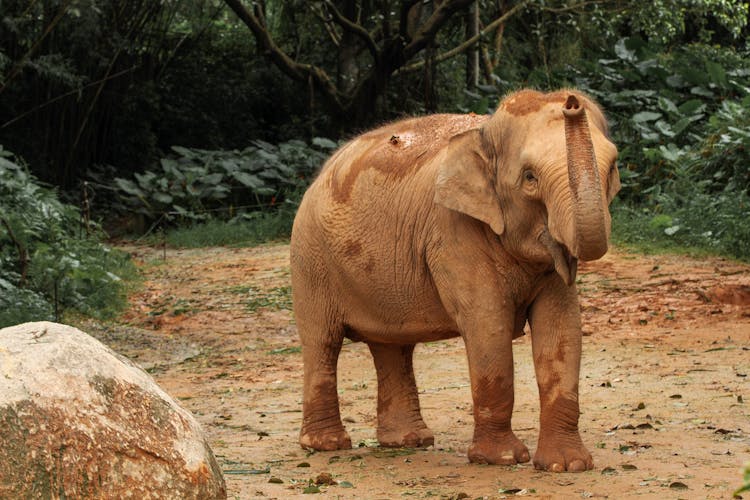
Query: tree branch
x=427 y=32
x=403 y=24
x=327 y=23
x=297 y=71
x=468 y=43
x=356 y=29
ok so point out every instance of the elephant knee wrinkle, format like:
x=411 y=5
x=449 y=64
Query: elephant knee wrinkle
x=561 y=414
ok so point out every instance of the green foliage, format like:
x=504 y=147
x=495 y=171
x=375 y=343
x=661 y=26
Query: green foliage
x=665 y=21
x=746 y=481
x=245 y=230
x=47 y=267
x=196 y=184
x=702 y=223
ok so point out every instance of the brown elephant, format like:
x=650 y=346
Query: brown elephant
x=447 y=225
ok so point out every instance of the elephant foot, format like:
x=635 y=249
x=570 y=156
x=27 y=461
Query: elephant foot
x=328 y=440
x=562 y=453
x=506 y=450
x=406 y=438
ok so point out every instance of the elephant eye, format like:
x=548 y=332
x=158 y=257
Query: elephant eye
x=529 y=176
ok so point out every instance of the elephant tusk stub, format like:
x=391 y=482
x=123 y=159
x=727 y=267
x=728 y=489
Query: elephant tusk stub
x=565 y=264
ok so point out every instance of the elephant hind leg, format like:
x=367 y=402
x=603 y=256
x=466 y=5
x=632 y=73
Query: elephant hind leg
x=322 y=428
x=399 y=418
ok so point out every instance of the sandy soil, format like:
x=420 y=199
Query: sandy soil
x=665 y=397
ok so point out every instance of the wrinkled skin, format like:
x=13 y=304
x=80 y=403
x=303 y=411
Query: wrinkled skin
x=449 y=225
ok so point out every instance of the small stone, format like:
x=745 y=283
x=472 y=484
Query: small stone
x=325 y=478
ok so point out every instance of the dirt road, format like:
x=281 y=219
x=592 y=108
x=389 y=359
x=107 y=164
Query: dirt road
x=665 y=397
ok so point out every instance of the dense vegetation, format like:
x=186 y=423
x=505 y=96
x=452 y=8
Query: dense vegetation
x=51 y=259
x=206 y=118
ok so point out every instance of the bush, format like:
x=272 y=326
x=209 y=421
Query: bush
x=704 y=223
x=49 y=262
x=196 y=185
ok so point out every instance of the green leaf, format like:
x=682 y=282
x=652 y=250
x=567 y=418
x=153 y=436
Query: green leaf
x=324 y=143
x=311 y=490
x=162 y=198
x=145 y=179
x=129 y=187
x=667 y=105
x=664 y=128
x=213 y=179
x=671 y=153
x=717 y=73
x=692 y=107
x=186 y=152
x=268 y=156
x=229 y=166
x=680 y=126
x=645 y=116
x=623 y=52
x=248 y=180
x=701 y=91
x=263 y=145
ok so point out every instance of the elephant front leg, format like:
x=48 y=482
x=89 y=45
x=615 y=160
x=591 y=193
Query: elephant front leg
x=556 y=343
x=491 y=369
x=399 y=418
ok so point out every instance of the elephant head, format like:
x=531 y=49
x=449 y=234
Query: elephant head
x=540 y=173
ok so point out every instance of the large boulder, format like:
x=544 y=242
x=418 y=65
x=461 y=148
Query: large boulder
x=79 y=421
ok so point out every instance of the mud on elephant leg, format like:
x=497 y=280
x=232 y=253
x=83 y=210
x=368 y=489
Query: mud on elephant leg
x=491 y=367
x=399 y=418
x=321 y=421
x=560 y=446
x=494 y=440
x=556 y=345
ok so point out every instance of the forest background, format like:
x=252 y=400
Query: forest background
x=201 y=122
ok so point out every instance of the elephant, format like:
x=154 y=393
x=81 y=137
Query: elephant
x=453 y=225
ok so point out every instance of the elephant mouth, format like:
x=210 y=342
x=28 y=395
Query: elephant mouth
x=566 y=265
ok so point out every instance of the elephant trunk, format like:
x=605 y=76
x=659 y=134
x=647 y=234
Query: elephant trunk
x=589 y=212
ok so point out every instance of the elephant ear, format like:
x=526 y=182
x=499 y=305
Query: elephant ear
x=464 y=182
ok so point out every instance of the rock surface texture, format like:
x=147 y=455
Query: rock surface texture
x=79 y=421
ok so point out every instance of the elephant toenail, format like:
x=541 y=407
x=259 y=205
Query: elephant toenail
x=577 y=466
x=556 y=468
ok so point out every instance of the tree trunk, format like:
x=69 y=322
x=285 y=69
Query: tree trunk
x=348 y=70
x=430 y=95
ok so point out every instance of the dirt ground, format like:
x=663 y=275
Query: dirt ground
x=665 y=397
